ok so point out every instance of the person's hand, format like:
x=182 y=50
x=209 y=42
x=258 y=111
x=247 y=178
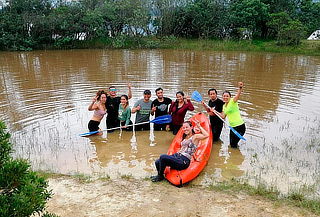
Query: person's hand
x=186 y=99
x=129 y=85
x=123 y=127
x=197 y=123
x=154 y=108
x=94 y=99
x=213 y=111
x=240 y=84
x=138 y=108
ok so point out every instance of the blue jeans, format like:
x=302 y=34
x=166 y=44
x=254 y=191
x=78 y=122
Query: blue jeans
x=175 y=161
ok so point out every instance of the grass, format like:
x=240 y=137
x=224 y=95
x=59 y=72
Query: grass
x=306 y=47
x=295 y=198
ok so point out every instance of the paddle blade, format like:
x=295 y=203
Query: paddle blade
x=196 y=96
x=89 y=133
x=164 y=119
x=238 y=134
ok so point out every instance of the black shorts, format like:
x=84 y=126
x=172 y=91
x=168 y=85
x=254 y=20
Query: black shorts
x=93 y=125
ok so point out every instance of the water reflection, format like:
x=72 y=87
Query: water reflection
x=44 y=97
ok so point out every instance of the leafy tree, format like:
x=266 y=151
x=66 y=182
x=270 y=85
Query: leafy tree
x=309 y=15
x=286 y=30
x=250 y=14
x=292 y=33
x=22 y=191
x=277 y=22
x=23 y=25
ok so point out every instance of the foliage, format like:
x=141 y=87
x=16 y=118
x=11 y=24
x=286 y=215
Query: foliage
x=250 y=14
x=295 y=198
x=22 y=191
x=288 y=31
x=36 y=24
x=291 y=33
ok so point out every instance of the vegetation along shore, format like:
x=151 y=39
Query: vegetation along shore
x=249 y=25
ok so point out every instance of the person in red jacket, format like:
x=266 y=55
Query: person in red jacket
x=178 y=110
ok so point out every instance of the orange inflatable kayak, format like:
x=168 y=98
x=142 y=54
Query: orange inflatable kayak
x=199 y=159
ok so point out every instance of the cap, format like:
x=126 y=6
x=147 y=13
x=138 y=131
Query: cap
x=147 y=92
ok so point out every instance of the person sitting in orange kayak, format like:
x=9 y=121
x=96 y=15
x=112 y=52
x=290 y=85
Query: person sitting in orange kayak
x=181 y=159
x=98 y=106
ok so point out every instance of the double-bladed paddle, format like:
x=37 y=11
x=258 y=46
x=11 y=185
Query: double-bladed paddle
x=197 y=97
x=164 y=119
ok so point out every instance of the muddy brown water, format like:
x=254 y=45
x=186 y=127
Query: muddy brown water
x=44 y=97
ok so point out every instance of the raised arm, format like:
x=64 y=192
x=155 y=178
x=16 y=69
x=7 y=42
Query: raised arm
x=202 y=135
x=93 y=105
x=237 y=96
x=129 y=91
x=189 y=103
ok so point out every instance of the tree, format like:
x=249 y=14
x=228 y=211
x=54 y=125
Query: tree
x=309 y=15
x=292 y=33
x=250 y=14
x=22 y=191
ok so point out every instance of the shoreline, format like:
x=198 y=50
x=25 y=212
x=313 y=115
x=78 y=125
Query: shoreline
x=80 y=195
x=307 y=47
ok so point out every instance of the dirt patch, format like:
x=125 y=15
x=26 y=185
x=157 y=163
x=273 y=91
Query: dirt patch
x=131 y=197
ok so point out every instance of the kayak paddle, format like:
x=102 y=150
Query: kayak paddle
x=164 y=119
x=197 y=97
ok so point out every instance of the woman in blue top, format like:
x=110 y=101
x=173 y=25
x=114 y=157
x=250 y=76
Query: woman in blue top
x=124 y=113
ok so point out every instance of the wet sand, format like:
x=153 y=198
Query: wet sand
x=133 y=197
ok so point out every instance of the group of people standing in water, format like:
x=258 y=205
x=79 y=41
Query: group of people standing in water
x=119 y=112
x=119 y=116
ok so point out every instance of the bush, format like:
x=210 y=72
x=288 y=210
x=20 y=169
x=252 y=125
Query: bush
x=292 y=33
x=22 y=191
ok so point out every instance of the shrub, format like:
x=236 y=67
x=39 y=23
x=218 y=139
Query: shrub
x=22 y=191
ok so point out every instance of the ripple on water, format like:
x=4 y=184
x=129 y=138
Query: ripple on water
x=44 y=101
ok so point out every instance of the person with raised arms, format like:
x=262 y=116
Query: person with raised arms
x=98 y=105
x=181 y=160
x=125 y=113
x=112 y=105
x=231 y=110
x=143 y=109
x=160 y=106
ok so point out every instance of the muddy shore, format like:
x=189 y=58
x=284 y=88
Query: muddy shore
x=132 y=197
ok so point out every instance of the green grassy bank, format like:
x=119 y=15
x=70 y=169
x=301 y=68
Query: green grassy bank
x=294 y=198
x=305 y=48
